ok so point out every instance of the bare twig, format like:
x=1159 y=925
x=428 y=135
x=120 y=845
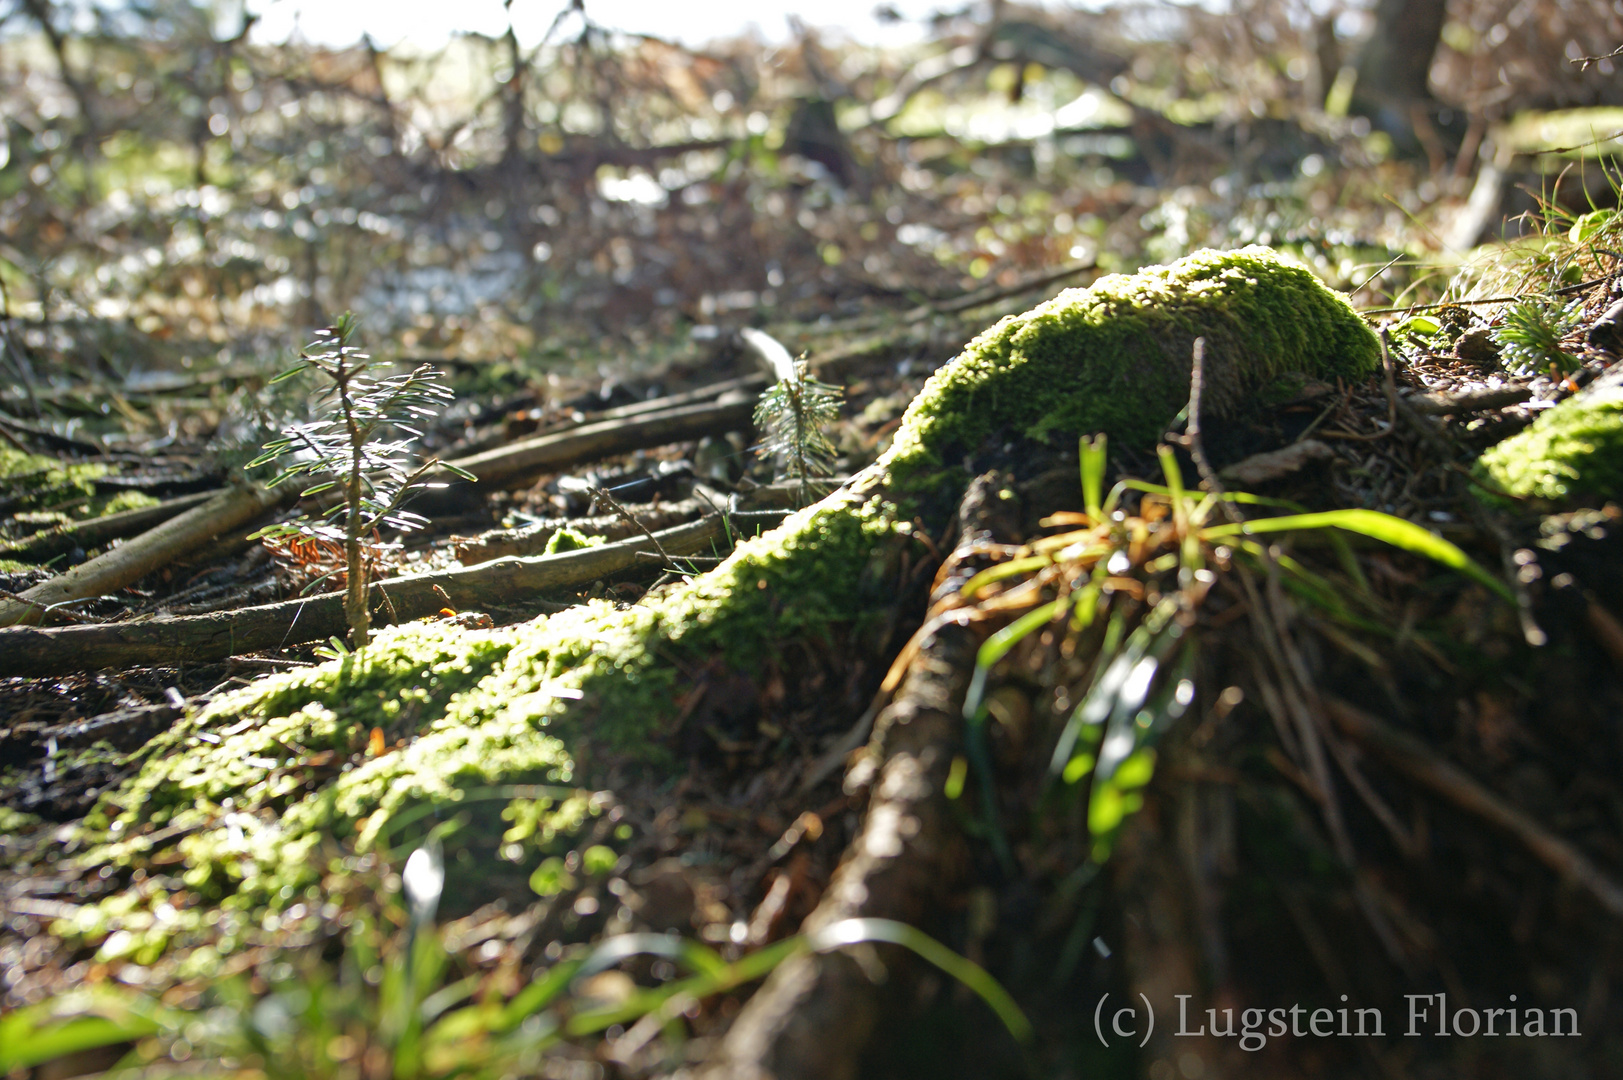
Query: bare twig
x=1191 y=436
x=140 y=556
x=1583 y=62
x=1471 y=401
x=510 y=466
x=614 y=504
x=1413 y=758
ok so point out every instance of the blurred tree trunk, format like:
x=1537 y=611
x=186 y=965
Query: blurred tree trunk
x=1326 y=62
x=1394 y=63
x=87 y=140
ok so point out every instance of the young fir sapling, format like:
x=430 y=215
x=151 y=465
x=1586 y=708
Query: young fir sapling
x=347 y=447
x=793 y=416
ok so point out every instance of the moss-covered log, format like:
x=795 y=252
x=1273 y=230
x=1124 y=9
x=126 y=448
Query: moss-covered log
x=248 y=788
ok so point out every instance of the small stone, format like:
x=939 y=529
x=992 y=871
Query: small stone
x=1477 y=347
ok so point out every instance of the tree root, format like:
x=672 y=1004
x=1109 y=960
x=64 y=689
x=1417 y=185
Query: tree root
x=817 y=1013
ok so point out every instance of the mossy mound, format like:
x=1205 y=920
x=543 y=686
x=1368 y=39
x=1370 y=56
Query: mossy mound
x=1116 y=357
x=264 y=774
x=1572 y=453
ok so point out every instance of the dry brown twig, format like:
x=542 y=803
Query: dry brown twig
x=1415 y=760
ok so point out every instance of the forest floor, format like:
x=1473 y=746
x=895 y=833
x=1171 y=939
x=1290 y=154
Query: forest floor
x=1360 y=774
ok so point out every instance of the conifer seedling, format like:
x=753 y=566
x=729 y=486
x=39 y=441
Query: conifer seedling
x=359 y=445
x=793 y=416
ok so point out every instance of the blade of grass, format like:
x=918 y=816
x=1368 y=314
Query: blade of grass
x=1093 y=475
x=1377 y=526
x=1012 y=568
x=966 y=971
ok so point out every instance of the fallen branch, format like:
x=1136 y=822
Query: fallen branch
x=751 y=384
x=151 y=550
x=98 y=531
x=27 y=651
x=1276 y=464
x=533 y=539
x=1414 y=759
x=511 y=465
x=1471 y=401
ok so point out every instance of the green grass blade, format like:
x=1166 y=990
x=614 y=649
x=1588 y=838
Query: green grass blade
x=1093 y=475
x=53 y=1029
x=1012 y=568
x=1377 y=526
x=971 y=974
x=729 y=976
x=997 y=646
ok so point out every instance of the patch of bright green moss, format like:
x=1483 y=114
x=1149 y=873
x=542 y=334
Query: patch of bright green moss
x=35 y=480
x=567 y=539
x=15 y=821
x=1572 y=452
x=1116 y=357
x=256 y=774
x=124 y=500
x=253 y=746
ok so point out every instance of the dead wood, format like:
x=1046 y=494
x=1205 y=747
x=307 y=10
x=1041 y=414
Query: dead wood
x=1415 y=760
x=148 y=552
x=1277 y=464
x=99 y=531
x=533 y=539
x=745 y=383
x=1472 y=401
x=45 y=437
x=29 y=651
x=510 y=466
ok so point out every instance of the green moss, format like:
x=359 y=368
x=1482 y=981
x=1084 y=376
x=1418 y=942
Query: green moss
x=265 y=776
x=124 y=500
x=567 y=539
x=1116 y=357
x=35 y=480
x=15 y=821
x=256 y=775
x=1572 y=452
x=254 y=747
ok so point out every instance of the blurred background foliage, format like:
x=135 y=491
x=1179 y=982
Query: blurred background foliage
x=175 y=194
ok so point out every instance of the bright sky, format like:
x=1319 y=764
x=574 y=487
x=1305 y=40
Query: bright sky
x=430 y=23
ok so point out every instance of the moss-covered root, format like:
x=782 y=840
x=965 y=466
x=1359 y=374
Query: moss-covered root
x=258 y=778
x=1571 y=454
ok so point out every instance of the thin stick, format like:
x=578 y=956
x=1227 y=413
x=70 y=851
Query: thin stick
x=1413 y=758
x=1191 y=436
x=614 y=504
x=1565 y=290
